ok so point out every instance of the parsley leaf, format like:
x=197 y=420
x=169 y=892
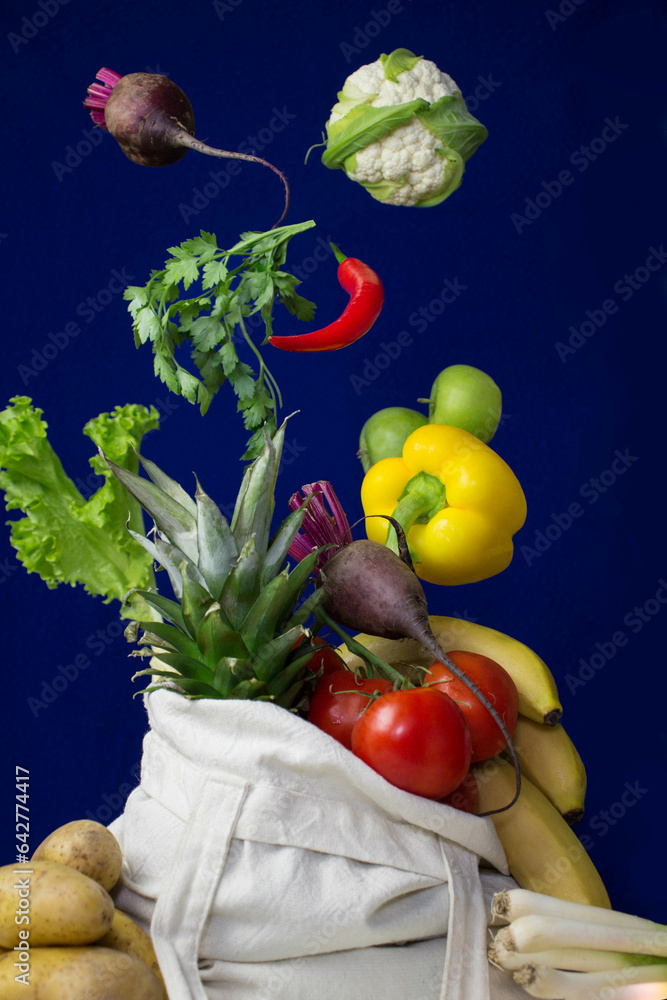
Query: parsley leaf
x=213 y=322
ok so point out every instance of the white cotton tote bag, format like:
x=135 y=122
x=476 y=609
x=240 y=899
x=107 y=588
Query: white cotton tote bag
x=270 y=863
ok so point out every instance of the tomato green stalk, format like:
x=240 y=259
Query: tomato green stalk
x=340 y=699
x=366 y=300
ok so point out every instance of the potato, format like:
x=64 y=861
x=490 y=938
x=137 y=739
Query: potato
x=76 y=974
x=86 y=846
x=127 y=936
x=56 y=904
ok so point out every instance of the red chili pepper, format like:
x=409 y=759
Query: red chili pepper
x=366 y=299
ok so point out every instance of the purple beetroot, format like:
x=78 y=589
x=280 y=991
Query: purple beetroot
x=153 y=121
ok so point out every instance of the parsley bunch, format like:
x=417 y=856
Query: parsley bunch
x=214 y=321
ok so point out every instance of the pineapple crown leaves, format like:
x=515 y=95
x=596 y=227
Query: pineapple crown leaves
x=239 y=611
x=196 y=529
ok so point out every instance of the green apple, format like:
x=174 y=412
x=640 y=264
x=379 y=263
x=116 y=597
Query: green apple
x=466 y=397
x=384 y=434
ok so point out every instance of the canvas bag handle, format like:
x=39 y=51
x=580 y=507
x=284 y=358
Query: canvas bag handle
x=192 y=879
x=466 y=973
x=190 y=884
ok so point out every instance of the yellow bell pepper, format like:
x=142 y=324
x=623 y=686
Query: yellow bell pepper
x=457 y=500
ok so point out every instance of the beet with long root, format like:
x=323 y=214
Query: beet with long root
x=368 y=588
x=153 y=121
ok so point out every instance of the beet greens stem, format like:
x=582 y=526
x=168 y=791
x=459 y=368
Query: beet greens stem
x=384 y=669
x=183 y=138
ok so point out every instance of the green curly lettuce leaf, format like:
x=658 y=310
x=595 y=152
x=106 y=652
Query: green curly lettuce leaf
x=63 y=536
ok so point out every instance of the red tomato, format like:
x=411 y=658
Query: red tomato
x=466 y=796
x=326 y=659
x=418 y=739
x=336 y=712
x=494 y=682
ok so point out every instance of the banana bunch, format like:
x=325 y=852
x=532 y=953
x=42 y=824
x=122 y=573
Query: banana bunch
x=543 y=853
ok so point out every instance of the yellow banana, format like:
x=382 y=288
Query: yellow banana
x=538 y=695
x=543 y=853
x=550 y=760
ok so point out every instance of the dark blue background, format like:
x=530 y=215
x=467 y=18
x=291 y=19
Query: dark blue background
x=552 y=80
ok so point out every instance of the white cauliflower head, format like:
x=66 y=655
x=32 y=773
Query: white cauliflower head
x=401 y=129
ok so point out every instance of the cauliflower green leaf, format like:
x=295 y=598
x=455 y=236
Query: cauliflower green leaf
x=450 y=121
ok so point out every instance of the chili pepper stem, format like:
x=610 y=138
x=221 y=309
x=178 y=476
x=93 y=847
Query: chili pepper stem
x=338 y=254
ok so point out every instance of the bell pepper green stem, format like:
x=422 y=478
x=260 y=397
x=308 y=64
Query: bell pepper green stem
x=422 y=498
